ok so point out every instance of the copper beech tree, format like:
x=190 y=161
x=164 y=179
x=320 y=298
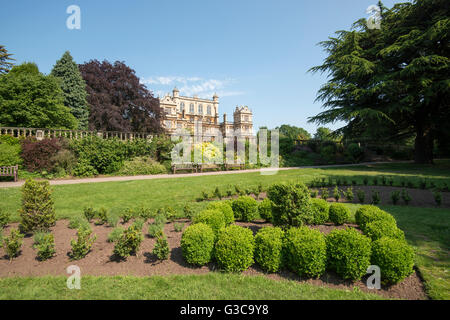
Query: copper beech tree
x=117 y=100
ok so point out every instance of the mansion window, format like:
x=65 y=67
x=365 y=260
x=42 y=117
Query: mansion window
x=168 y=124
x=200 y=109
x=182 y=107
x=208 y=110
x=167 y=110
x=246 y=118
x=191 y=108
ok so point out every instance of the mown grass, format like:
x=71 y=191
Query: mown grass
x=212 y=286
x=117 y=196
x=427 y=229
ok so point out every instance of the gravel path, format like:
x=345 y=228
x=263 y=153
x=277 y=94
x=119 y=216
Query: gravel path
x=183 y=175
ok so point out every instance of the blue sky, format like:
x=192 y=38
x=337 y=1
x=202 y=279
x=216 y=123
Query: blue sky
x=253 y=53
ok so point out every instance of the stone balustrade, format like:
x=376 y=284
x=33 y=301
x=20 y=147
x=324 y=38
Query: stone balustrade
x=40 y=133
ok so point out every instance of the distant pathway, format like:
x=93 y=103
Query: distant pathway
x=184 y=175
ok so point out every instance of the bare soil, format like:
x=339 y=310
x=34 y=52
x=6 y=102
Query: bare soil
x=100 y=261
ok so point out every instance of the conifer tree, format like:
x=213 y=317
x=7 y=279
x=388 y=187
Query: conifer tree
x=391 y=82
x=5 y=58
x=74 y=88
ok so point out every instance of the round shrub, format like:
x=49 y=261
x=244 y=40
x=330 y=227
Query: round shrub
x=213 y=218
x=395 y=259
x=368 y=213
x=305 y=251
x=348 y=253
x=291 y=204
x=265 y=209
x=383 y=228
x=268 y=248
x=245 y=208
x=338 y=213
x=225 y=208
x=320 y=210
x=234 y=248
x=197 y=244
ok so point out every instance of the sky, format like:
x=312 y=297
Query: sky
x=254 y=53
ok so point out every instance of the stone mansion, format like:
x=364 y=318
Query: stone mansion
x=182 y=112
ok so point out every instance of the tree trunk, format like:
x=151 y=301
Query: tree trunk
x=423 y=152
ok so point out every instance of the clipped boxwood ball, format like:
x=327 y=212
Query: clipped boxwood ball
x=245 y=208
x=320 y=210
x=265 y=209
x=305 y=251
x=348 y=253
x=197 y=244
x=395 y=259
x=213 y=218
x=234 y=248
x=383 y=228
x=338 y=213
x=268 y=248
x=225 y=208
x=369 y=213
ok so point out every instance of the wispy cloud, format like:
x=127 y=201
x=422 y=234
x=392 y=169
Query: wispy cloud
x=190 y=86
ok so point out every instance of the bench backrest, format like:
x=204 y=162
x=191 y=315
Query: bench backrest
x=8 y=171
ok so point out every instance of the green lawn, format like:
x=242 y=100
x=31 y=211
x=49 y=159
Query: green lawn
x=427 y=229
x=186 y=287
x=116 y=196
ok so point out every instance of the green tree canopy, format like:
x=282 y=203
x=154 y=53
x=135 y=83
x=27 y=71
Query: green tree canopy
x=391 y=82
x=323 y=134
x=29 y=98
x=294 y=133
x=5 y=60
x=74 y=88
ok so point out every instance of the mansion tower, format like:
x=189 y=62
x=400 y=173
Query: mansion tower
x=182 y=112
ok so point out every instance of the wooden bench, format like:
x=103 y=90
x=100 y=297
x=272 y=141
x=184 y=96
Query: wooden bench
x=209 y=166
x=184 y=167
x=240 y=166
x=10 y=171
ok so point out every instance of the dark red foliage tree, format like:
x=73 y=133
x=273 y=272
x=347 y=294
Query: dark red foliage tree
x=117 y=100
x=37 y=155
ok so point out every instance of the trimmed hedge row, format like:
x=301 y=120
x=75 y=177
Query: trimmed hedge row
x=302 y=250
